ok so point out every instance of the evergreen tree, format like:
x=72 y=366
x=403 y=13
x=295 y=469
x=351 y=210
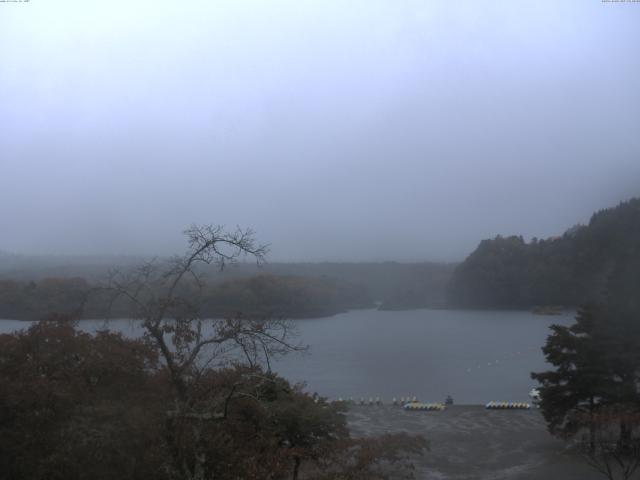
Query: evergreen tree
x=572 y=392
x=597 y=366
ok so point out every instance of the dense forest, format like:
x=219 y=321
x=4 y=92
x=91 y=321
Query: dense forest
x=256 y=296
x=508 y=272
x=31 y=287
x=283 y=296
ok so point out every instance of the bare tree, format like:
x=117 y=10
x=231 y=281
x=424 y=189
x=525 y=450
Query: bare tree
x=164 y=298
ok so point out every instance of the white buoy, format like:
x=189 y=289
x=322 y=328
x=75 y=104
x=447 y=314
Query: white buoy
x=394 y=401
x=378 y=402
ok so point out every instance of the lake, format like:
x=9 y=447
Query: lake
x=474 y=356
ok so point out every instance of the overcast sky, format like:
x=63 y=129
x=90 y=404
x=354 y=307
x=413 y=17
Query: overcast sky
x=338 y=130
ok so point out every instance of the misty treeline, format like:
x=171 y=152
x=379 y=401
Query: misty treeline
x=506 y=272
x=258 y=295
x=569 y=270
x=29 y=290
x=192 y=399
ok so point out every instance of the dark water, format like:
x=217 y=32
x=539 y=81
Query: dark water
x=475 y=356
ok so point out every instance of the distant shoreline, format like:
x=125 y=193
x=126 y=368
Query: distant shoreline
x=568 y=311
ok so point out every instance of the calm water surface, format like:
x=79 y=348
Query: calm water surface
x=475 y=356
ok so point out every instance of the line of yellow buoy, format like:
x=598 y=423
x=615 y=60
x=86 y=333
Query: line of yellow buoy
x=412 y=403
x=424 y=406
x=493 y=405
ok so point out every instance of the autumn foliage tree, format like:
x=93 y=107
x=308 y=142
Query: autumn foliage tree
x=74 y=405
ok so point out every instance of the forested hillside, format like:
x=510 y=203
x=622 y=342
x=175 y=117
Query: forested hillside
x=508 y=272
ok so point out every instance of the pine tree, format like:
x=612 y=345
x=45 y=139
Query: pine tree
x=580 y=383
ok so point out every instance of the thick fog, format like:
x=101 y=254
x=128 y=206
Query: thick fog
x=338 y=130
